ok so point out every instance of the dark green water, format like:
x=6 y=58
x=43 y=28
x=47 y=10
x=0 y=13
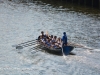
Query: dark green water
x=71 y=6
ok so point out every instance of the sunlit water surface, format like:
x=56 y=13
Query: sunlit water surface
x=22 y=22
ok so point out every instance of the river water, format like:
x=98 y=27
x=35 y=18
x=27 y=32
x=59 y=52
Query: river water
x=22 y=22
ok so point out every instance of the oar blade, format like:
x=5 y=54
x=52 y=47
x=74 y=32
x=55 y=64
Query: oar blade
x=19 y=47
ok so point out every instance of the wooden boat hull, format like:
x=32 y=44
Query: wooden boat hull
x=58 y=51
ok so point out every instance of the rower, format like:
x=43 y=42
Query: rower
x=64 y=39
x=42 y=35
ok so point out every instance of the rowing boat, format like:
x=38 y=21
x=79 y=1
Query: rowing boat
x=58 y=51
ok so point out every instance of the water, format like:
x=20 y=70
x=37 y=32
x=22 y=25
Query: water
x=22 y=22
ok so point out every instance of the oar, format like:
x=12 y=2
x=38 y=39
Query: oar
x=79 y=46
x=33 y=41
x=62 y=50
x=26 y=44
x=37 y=47
x=85 y=47
x=34 y=51
x=21 y=47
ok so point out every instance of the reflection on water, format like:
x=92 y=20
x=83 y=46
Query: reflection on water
x=23 y=22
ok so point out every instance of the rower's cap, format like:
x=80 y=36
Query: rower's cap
x=42 y=32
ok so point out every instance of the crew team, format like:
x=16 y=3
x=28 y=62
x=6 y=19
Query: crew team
x=52 y=41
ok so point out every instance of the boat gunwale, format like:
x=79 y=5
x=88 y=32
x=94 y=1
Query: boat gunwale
x=51 y=49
